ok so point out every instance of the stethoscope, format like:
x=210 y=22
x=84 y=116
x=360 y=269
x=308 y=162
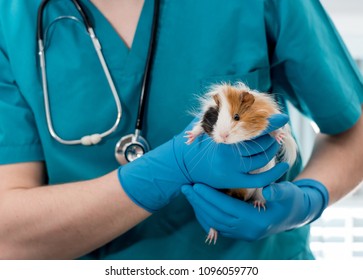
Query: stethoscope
x=129 y=147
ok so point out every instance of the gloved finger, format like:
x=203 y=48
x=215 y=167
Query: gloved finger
x=258 y=180
x=275 y=122
x=253 y=222
x=204 y=207
x=256 y=145
x=206 y=227
x=278 y=191
x=261 y=159
x=265 y=178
x=207 y=222
x=247 y=235
x=229 y=206
x=187 y=190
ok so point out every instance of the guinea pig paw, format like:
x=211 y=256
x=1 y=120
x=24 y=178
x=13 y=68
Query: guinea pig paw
x=191 y=137
x=212 y=236
x=259 y=204
x=279 y=136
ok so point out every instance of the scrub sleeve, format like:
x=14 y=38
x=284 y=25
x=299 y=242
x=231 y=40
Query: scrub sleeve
x=19 y=140
x=311 y=66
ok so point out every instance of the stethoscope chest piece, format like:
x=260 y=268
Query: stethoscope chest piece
x=131 y=147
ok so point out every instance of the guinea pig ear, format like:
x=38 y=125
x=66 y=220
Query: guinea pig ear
x=217 y=99
x=247 y=99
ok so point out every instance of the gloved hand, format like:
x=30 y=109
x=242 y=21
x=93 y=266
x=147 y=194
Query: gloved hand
x=288 y=205
x=154 y=179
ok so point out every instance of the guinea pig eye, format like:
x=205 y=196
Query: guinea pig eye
x=236 y=117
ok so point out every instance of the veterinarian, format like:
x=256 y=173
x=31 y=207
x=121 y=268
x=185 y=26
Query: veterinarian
x=67 y=105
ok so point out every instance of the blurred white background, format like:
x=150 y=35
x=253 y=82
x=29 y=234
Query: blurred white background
x=338 y=234
x=348 y=18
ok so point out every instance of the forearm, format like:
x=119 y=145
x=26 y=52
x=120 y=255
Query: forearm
x=64 y=221
x=337 y=161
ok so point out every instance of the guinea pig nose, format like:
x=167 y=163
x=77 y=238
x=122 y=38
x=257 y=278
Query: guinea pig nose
x=224 y=136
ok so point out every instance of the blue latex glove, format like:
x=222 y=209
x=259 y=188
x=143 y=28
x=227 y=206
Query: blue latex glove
x=154 y=179
x=288 y=205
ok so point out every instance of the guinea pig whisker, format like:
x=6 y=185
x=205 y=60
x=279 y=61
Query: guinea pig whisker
x=214 y=150
x=238 y=151
x=199 y=152
x=206 y=138
x=207 y=121
x=199 y=142
x=205 y=150
x=261 y=149
x=245 y=146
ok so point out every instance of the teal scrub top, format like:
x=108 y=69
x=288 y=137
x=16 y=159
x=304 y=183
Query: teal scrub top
x=286 y=47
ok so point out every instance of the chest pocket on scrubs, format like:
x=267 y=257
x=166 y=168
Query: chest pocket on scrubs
x=80 y=98
x=258 y=79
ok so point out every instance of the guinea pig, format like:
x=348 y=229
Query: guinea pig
x=233 y=113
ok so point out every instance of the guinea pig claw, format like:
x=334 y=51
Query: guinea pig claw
x=279 y=136
x=259 y=204
x=191 y=137
x=212 y=236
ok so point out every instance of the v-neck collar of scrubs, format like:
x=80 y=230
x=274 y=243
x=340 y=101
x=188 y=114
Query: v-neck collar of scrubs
x=129 y=61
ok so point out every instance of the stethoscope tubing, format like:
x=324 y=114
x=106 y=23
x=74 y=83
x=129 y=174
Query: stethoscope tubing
x=97 y=137
x=146 y=78
x=87 y=139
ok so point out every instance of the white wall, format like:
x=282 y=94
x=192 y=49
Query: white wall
x=348 y=18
